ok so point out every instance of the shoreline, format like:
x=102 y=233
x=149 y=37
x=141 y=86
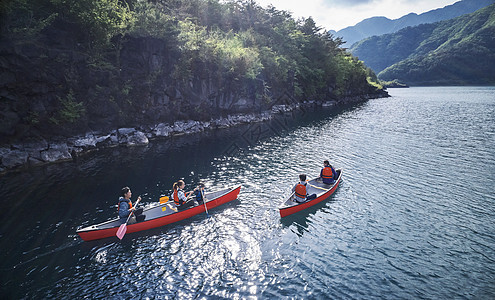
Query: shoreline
x=21 y=156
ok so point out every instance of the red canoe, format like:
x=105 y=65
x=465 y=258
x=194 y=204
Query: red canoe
x=159 y=215
x=322 y=191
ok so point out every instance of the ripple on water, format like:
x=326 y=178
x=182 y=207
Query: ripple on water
x=413 y=217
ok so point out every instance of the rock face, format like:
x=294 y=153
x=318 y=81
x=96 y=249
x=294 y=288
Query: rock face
x=131 y=137
x=53 y=90
x=57 y=100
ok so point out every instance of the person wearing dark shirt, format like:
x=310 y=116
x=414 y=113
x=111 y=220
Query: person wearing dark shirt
x=125 y=208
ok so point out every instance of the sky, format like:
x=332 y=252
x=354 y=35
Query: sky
x=338 y=14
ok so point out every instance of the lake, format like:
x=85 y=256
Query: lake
x=412 y=219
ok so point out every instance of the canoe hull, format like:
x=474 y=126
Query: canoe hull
x=288 y=210
x=89 y=234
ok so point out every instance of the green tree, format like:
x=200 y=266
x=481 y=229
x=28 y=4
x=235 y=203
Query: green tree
x=99 y=19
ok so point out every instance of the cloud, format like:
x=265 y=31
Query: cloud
x=345 y=3
x=338 y=14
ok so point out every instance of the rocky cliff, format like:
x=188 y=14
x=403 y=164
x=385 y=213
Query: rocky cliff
x=60 y=97
x=59 y=91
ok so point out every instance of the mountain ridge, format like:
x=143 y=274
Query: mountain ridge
x=460 y=51
x=381 y=25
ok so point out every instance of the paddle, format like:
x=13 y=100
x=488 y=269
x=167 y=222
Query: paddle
x=292 y=195
x=123 y=228
x=204 y=202
x=317 y=187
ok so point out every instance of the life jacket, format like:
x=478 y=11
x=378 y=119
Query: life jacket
x=129 y=202
x=326 y=173
x=199 y=196
x=177 y=201
x=301 y=190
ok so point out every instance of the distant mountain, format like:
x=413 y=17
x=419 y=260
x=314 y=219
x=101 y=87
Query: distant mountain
x=457 y=51
x=382 y=25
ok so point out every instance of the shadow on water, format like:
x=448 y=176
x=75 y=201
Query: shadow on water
x=212 y=143
x=302 y=219
x=165 y=159
x=83 y=192
x=54 y=189
x=46 y=204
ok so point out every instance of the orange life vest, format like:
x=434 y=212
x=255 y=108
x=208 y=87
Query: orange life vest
x=301 y=190
x=326 y=173
x=176 y=197
x=129 y=202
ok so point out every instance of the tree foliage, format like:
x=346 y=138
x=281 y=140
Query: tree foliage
x=232 y=40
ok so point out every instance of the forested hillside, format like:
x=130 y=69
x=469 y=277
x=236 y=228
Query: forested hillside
x=453 y=52
x=382 y=25
x=71 y=66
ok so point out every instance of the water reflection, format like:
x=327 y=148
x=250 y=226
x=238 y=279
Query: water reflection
x=403 y=224
x=302 y=220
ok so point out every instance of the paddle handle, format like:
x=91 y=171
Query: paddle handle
x=204 y=202
x=135 y=205
x=317 y=187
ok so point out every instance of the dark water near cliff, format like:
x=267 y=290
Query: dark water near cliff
x=413 y=218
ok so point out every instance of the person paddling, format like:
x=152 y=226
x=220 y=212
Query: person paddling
x=199 y=193
x=125 y=208
x=328 y=174
x=181 y=197
x=300 y=191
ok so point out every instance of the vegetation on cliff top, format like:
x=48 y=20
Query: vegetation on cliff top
x=235 y=43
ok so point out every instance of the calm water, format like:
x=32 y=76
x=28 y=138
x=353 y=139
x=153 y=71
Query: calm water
x=413 y=218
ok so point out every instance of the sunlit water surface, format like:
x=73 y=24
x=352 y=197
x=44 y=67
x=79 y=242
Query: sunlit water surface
x=413 y=217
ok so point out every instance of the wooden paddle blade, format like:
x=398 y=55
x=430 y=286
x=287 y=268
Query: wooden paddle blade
x=121 y=231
